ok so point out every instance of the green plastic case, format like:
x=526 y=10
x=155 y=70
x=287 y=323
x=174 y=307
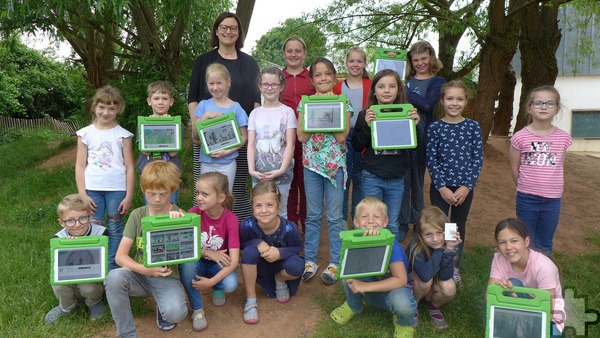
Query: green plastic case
x=159 y=134
x=324 y=113
x=364 y=256
x=169 y=241
x=78 y=260
x=220 y=133
x=393 y=129
x=529 y=314
x=383 y=60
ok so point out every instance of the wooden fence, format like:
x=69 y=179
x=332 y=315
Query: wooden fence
x=67 y=128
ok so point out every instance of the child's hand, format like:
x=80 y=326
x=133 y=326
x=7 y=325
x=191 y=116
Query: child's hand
x=371 y=232
x=258 y=175
x=391 y=54
x=220 y=257
x=221 y=153
x=414 y=115
x=202 y=283
x=451 y=245
x=448 y=195
x=124 y=206
x=262 y=247
x=505 y=283
x=271 y=175
x=92 y=203
x=176 y=214
x=160 y=271
x=370 y=116
x=461 y=194
x=159 y=115
x=357 y=286
x=271 y=255
x=210 y=115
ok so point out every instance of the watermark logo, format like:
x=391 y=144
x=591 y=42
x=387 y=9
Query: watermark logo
x=580 y=318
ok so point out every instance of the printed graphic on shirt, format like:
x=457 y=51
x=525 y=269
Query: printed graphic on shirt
x=104 y=155
x=210 y=241
x=540 y=154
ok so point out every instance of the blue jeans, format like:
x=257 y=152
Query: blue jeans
x=318 y=187
x=399 y=301
x=540 y=214
x=354 y=167
x=107 y=202
x=204 y=268
x=122 y=283
x=390 y=191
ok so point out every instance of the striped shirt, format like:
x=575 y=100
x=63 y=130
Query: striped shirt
x=541 y=162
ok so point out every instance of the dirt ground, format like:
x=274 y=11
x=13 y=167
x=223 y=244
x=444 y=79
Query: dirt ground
x=494 y=200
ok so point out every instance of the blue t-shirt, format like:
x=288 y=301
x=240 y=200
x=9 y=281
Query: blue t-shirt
x=398 y=254
x=240 y=116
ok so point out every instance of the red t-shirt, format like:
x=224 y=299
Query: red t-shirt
x=221 y=233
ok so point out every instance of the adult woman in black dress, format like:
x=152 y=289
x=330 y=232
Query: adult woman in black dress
x=228 y=38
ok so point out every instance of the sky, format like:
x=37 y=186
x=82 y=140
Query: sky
x=270 y=13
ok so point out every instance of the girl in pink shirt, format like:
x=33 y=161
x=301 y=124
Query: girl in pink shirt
x=536 y=160
x=517 y=265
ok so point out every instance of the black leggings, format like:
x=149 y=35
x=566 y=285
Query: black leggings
x=458 y=214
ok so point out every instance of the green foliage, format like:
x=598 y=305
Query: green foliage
x=34 y=86
x=28 y=201
x=269 y=48
x=122 y=42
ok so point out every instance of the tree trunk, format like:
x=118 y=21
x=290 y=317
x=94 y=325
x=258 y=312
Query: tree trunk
x=538 y=42
x=504 y=112
x=497 y=51
x=244 y=12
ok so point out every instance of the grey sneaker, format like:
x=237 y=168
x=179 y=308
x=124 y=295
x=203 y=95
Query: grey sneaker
x=96 y=311
x=218 y=298
x=199 y=320
x=53 y=315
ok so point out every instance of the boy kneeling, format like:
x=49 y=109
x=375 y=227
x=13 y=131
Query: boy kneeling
x=158 y=181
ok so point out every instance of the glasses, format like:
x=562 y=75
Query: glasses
x=271 y=85
x=224 y=28
x=71 y=222
x=539 y=104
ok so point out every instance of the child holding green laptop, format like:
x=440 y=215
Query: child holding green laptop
x=74 y=213
x=387 y=292
x=158 y=181
x=160 y=99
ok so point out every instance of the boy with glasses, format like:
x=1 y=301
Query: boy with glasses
x=74 y=213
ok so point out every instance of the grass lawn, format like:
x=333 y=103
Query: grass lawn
x=28 y=201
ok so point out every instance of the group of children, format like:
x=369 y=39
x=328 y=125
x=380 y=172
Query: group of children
x=268 y=245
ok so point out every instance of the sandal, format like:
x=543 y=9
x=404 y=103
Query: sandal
x=282 y=294
x=342 y=314
x=438 y=319
x=251 y=313
x=310 y=269
x=401 y=331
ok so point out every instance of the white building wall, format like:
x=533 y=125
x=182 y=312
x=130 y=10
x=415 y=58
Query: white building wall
x=581 y=92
